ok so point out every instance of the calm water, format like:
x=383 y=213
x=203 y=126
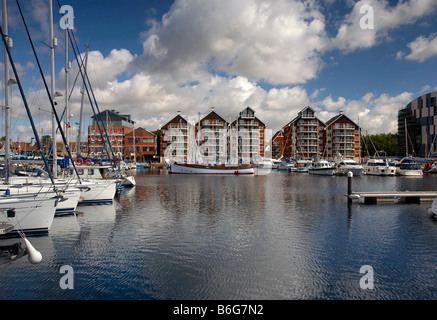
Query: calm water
x=279 y=236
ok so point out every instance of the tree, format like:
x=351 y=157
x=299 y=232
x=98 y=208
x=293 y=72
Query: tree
x=383 y=143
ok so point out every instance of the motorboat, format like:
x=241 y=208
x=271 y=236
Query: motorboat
x=263 y=164
x=322 y=167
x=303 y=166
x=408 y=167
x=379 y=167
x=286 y=166
x=344 y=166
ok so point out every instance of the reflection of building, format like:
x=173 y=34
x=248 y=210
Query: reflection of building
x=116 y=126
x=174 y=139
x=304 y=136
x=140 y=145
x=343 y=137
x=251 y=135
x=213 y=138
x=419 y=120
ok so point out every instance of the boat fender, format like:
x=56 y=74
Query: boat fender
x=35 y=256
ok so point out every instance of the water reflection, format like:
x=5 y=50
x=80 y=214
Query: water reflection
x=276 y=236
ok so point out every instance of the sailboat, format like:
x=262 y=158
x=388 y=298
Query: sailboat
x=27 y=212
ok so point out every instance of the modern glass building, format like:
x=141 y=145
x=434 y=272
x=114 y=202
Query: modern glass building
x=417 y=123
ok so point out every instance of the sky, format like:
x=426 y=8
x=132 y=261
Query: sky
x=153 y=58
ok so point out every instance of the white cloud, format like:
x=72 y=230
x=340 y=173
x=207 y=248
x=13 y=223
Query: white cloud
x=386 y=17
x=256 y=39
x=205 y=54
x=374 y=114
x=423 y=48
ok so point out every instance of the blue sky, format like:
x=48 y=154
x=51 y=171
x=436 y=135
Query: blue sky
x=152 y=58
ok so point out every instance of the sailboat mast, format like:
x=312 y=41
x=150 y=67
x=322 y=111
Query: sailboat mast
x=406 y=138
x=79 y=135
x=67 y=109
x=7 y=98
x=52 y=74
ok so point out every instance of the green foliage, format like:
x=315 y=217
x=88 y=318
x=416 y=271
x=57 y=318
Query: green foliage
x=379 y=143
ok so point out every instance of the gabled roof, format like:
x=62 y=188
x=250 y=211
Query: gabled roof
x=342 y=118
x=255 y=118
x=140 y=132
x=177 y=119
x=212 y=116
x=299 y=115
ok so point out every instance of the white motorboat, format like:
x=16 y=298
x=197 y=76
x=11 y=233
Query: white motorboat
x=275 y=163
x=102 y=172
x=286 y=166
x=322 y=167
x=379 y=167
x=303 y=166
x=185 y=168
x=408 y=167
x=263 y=164
x=343 y=166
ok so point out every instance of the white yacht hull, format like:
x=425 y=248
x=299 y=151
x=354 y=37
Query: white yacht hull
x=321 y=171
x=380 y=171
x=27 y=214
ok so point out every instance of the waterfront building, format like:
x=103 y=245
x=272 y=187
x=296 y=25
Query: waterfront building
x=176 y=139
x=417 y=132
x=251 y=137
x=117 y=126
x=140 y=145
x=343 y=137
x=212 y=138
x=278 y=145
x=304 y=136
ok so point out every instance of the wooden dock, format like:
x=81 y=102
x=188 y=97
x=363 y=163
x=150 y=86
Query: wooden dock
x=393 y=196
x=390 y=196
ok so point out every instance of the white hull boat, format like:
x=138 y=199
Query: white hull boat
x=408 y=167
x=348 y=165
x=322 y=167
x=27 y=214
x=211 y=169
x=379 y=167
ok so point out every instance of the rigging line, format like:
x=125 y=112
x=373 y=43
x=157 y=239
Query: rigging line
x=67 y=147
x=89 y=97
x=71 y=38
x=97 y=107
x=25 y=103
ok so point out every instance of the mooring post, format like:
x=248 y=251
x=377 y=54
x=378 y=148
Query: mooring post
x=350 y=175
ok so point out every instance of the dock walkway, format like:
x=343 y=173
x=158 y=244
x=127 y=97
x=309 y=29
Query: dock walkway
x=393 y=196
x=390 y=196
